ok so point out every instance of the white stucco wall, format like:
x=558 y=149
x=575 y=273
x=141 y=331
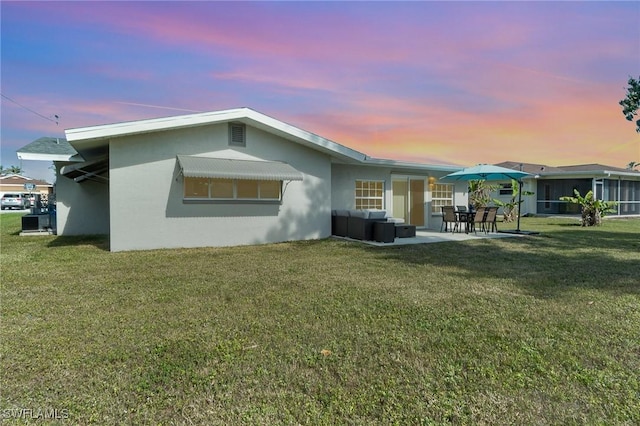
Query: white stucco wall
x=147 y=209
x=344 y=180
x=81 y=208
x=345 y=176
x=528 y=201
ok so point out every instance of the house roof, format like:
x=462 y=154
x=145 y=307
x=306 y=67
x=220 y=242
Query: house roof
x=92 y=137
x=593 y=167
x=49 y=149
x=532 y=168
x=92 y=142
x=408 y=165
x=15 y=179
x=542 y=170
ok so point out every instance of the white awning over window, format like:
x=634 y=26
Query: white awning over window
x=222 y=168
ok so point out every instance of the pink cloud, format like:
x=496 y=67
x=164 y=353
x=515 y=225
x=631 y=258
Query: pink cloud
x=581 y=128
x=496 y=83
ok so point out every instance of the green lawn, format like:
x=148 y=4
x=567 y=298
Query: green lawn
x=535 y=330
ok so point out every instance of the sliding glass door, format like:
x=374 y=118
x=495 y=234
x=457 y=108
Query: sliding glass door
x=408 y=199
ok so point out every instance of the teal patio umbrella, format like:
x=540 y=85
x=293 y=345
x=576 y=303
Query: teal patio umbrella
x=491 y=173
x=486 y=172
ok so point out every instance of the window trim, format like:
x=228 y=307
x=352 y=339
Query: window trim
x=231 y=200
x=437 y=209
x=381 y=197
x=505 y=189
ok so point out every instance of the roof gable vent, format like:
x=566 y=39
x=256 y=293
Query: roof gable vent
x=237 y=134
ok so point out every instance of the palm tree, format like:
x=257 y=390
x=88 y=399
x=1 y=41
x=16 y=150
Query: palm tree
x=13 y=169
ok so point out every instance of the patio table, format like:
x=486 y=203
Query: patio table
x=465 y=217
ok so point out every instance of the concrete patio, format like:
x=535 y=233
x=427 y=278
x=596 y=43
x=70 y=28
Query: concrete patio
x=429 y=236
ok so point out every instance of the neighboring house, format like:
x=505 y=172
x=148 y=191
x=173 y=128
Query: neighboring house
x=14 y=183
x=549 y=183
x=226 y=178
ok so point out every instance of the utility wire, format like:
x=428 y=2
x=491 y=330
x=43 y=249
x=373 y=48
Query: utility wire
x=30 y=110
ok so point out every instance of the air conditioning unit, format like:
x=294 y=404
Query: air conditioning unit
x=35 y=222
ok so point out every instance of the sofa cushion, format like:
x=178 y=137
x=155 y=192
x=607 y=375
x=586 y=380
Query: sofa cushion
x=342 y=213
x=395 y=219
x=359 y=213
x=377 y=214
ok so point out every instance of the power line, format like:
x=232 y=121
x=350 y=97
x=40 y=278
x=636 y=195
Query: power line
x=30 y=110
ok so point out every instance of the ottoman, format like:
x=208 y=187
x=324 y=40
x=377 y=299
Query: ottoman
x=384 y=232
x=405 y=231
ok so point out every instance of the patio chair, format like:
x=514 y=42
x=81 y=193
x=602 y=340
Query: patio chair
x=478 y=218
x=490 y=220
x=449 y=216
x=464 y=216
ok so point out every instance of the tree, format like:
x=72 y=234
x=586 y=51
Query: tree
x=632 y=165
x=11 y=170
x=480 y=193
x=631 y=103
x=592 y=210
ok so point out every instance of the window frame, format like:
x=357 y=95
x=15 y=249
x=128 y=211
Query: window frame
x=235 y=198
x=505 y=189
x=436 y=206
x=371 y=201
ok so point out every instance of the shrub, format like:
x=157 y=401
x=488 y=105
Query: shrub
x=593 y=210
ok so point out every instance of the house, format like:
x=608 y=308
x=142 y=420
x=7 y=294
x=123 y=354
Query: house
x=15 y=183
x=549 y=183
x=226 y=178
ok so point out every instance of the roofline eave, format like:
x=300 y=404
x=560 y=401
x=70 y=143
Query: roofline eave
x=382 y=162
x=79 y=136
x=589 y=174
x=35 y=156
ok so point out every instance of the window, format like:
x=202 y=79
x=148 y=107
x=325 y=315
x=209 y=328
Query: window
x=270 y=189
x=441 y=195
x=369 y=194
x=506 y=189
x=196 y=188
x=221 y=188
x=237 y=134
x=231 y=189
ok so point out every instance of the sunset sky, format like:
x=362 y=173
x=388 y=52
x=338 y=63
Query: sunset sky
x=435 y=82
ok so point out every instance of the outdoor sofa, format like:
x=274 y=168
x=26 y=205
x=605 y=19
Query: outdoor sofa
x=356 y=224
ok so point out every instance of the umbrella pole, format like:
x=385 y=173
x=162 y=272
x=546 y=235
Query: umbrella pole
x=519 y=203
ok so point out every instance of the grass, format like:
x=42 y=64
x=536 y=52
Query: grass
x=535 y=330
